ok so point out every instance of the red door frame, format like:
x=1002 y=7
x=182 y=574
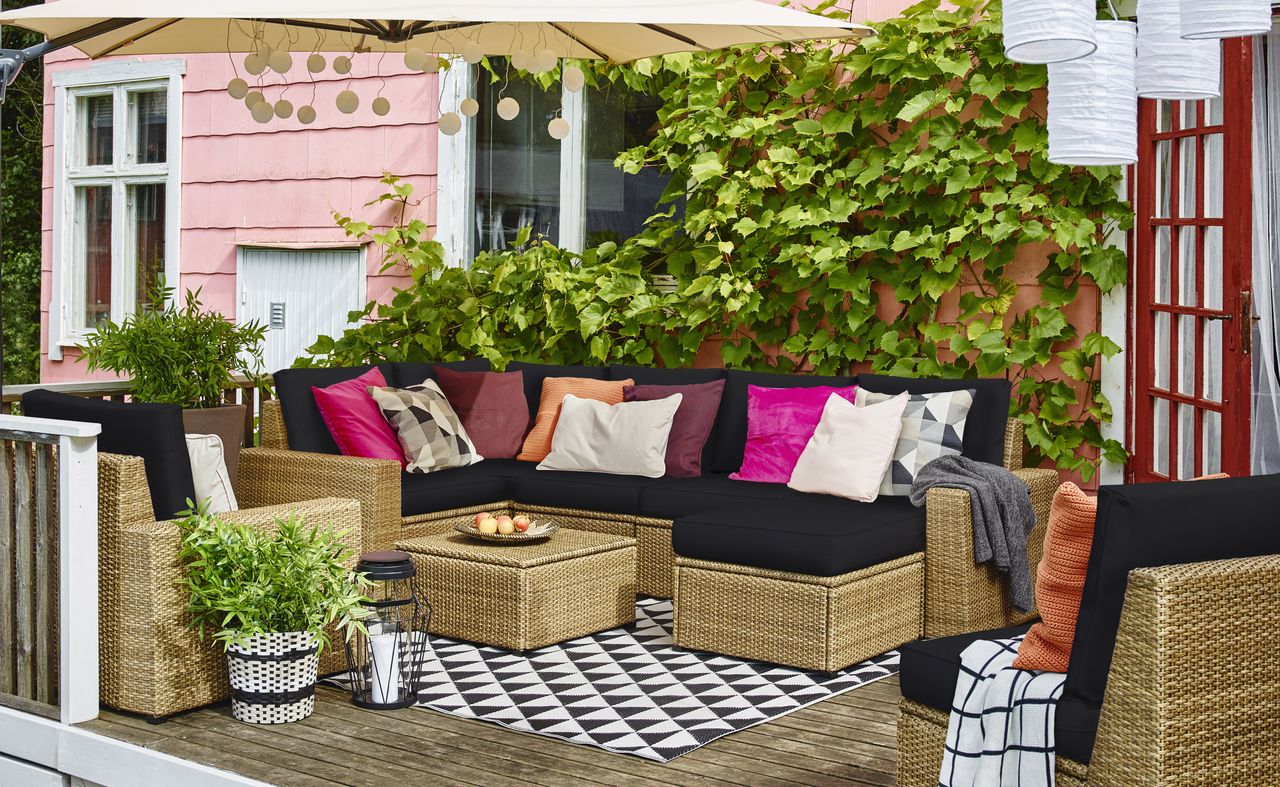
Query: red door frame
x=1237 y=259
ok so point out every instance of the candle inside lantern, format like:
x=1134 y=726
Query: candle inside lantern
x=385 y=667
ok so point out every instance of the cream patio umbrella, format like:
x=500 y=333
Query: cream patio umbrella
x=616 y=30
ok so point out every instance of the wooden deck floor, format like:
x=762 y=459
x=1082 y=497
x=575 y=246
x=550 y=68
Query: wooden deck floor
x=846 y=740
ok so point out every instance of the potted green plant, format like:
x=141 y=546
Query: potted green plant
x=180 y=354
x=269 y=596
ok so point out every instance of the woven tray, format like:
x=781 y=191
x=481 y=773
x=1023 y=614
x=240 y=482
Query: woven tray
x=537 y=531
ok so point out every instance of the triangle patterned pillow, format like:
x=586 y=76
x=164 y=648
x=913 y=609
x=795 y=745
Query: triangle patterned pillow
x=430 y=432
x=932 y=427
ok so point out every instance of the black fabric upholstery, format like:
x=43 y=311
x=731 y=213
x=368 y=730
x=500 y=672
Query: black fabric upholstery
x=535 y=373
x=405 y=374
x=306 y=429
x=613 y=494
x=673 y=498
x=644 y=375
x=985 y=426
x=807 y=534
x=151 y=431
x=459 y=487
x=731 y=424
x=1146 y=525
x=930 y=667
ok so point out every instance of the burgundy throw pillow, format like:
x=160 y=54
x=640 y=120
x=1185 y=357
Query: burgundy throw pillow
x=354 y=419
x=692 y=424
x=780 y=422
x=491 y=406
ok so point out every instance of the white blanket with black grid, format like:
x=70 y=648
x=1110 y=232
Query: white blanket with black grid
x=1001 y=726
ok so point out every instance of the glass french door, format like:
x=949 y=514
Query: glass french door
x=1192 y=271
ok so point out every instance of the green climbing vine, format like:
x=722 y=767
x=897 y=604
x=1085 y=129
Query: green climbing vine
x=888 y=205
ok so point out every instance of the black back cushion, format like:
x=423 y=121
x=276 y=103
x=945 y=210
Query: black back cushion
x=406 y=374
x=535 y=373
x=644 y=375
x=151 y=431
x=307 y=430
x=731 y=423
x=985 y=426
x=1145 y=525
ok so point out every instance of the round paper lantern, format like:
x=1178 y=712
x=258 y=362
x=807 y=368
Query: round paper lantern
x=342 y=64
x=381 y=106
x=521 y=59
x=415 y=59
x=431 y=65
x=450 y=123
x=1202 y=19
x=263 y=112
x=544 y=61
x=348 y=102
x=1093 y=102
x=306 y=115
x=253 y=98
x=283 y=109
x=1049 y=31
x=508 y=108
x=255 y=63
x=574 y=80
x=280 y=61
x=472 y=52
x=1170 y=66
x=558 y=128
x=469 y=107
x=238 y=88
x=316 y=63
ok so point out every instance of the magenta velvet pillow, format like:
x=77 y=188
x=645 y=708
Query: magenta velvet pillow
x=692 y=425
x=492 y=408
x=354 y=419
x=780 y=422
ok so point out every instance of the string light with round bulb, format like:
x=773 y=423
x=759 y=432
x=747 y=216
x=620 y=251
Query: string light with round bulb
x=472 y=52
x=283 y=109
x=521 y=59
x=238 y=88
x=450 y=124
x=381 y=106
x=253 y=98
x=342 y=64
x=545 y=60
x=307 y=115
x=508 y=108
x=469 y=107
x=348 y=102
x=280 y=61
x=263 y=112
x=255 y=63
x=316 y=63
x=432 y=64
x=558 y=128
x=574 y=80
x=415 y=59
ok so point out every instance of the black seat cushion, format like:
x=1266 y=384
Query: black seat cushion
x=1153 y=525
x=613 y=494
x=983 y=429
x=535 y=373
x=444 y=490
x=405 y=374
x=930 y=667
x=673 y=498
x=302 y=421
x=802 y=533
x=151 y=431
x=731 y=423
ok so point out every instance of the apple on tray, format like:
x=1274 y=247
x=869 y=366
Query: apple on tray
x=480 y=517
x=488 y=525
x=506 y=525
x=521 y=523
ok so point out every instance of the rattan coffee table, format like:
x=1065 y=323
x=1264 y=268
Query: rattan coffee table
x=527 y=596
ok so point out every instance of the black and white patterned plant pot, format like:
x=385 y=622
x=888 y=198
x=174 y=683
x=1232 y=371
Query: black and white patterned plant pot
x=273 y=677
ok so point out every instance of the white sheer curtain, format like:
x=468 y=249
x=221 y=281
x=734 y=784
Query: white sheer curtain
x=1266 y=255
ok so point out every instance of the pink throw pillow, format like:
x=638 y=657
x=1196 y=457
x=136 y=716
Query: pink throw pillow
x=780 y=422
x=354 y=419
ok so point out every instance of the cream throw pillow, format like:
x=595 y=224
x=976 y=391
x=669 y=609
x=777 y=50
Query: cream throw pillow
x=851 y=449
x=629 y=438
x=209 y=473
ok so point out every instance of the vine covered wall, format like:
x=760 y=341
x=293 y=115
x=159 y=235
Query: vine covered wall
x=843 y=208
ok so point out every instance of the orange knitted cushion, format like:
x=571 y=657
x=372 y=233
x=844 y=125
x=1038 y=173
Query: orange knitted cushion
x=554 y=389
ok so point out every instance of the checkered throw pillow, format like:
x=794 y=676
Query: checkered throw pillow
x=932 y=427
x=430 y=432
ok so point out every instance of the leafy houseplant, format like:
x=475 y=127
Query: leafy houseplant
x=268 y=596
x=183 y=355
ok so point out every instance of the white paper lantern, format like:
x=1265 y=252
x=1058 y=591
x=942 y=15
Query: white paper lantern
x=1049 y=31
x=558 y=128
x=1218 y=19
x=450 y=123
x=544 y=61
x=306 y=115
x=316 y=63
x=253 y=98
x=1093 y=102
x=238 y=88
x=381 y=106
x=263 y=112
x=508 y=108
x=1170 y=66
x=415 y=59
x=255 y=63
x=284 y=109
x=432 y=64
x=574 y=80
x=472 y=52
x=342 y=64
x=280 y=61
x=469 y=107
x=521 y=59
x=348 y=102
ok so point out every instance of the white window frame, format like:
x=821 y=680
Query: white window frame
x=455 y=216
x=116 y=79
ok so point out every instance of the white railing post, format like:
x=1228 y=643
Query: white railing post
x=78 y=571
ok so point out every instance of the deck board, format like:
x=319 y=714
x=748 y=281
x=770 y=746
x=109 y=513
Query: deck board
x=845 y=740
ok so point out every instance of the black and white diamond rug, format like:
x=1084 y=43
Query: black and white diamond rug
x=627 y=690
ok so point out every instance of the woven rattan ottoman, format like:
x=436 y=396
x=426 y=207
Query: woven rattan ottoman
x=526 y=596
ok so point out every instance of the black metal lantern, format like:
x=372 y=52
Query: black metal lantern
x=386 y=663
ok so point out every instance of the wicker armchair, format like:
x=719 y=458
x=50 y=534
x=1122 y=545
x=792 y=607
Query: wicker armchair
x=152 y=663
x=1193 y=690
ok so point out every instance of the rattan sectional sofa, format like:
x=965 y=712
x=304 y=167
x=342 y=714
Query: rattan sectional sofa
x=724 y=549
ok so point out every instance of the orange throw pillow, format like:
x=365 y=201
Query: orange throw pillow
x=554 y=389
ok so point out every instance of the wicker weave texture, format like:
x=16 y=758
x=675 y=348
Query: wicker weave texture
x=1014 y=437
x=528 y=596
x=823 y=623
x=271 y=429
x=152 y=663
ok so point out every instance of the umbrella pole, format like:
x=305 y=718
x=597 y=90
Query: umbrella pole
x=12 y=60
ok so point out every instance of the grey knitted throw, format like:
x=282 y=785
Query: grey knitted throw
x=1003 y=516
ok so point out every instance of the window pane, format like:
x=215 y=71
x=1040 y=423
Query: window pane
x=97 y=121
x=1188 y=196
x=146 y=216
x=517 y=164
x=148 y=113
x=93 y=242
x=617 y=203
